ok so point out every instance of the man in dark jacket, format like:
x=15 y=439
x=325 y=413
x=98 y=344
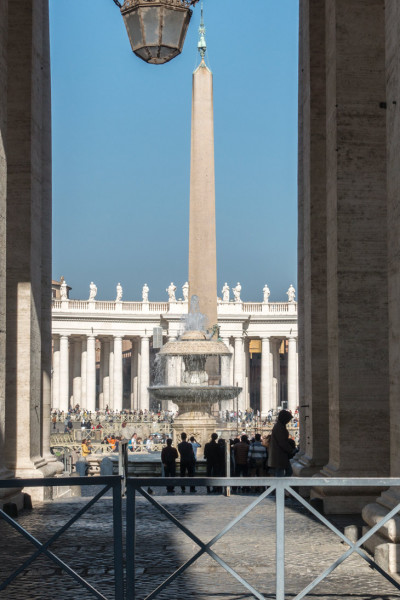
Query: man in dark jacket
x=168 y=458
x=281 y=449
x=187 y=460
x=212 y=454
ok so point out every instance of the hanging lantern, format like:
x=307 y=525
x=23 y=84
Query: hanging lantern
x=157 y=28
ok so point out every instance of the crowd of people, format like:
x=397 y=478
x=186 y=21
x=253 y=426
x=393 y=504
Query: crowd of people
x=256 y=457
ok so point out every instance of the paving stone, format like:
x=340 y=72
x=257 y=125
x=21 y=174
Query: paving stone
x=249 y=548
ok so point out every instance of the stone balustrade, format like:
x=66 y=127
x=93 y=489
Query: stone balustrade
x=177 y=307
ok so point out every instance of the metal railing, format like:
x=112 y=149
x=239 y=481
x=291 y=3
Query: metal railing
x=268 y=485
x=112 y=482
x=280 y=486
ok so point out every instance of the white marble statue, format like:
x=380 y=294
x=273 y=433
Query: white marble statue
x=63 y=289
x=119 y=293
x=225 y=293
x=185 y=291
x=145 y=293
x=93 y=291
x=267 y=293
x=171 y=289
x=291 y=293
x=236 y=292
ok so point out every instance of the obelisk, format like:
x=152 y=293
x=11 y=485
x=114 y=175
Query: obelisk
x=202 y=242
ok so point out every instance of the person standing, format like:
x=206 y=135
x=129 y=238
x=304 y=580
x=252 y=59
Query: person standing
x=241 y=451
x=281 y=449
x=212 y=456
x=186 y=453
x=168 y=458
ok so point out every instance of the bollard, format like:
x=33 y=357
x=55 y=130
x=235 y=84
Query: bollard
x=82 y=467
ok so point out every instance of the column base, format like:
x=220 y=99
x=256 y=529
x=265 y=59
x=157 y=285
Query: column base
x=385 y=544
x=349 y=500
x=39 y=469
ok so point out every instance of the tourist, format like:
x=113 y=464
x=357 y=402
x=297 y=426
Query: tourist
x=241 y=451
x=257 y=457
x=195 y=445
x=168 y=458
x=86 y=447
x=281 y=449
x=187 y=461
x=54 y=421
x=211 y=455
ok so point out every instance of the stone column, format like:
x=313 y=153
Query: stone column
x=84 y=373
x=247 y=372
x=238 y=371
x=101 y=377
x=55 y=386
x=134 y=375
x=76 y=381
x=171 y=365
x=387 y=539
x=91 y=373
x=266 y=378
x=312 y=242
x=118 y=383
x=357 y=282
x=105 y=354
x=292 y=374
x=111 y=371
x=225 y=365
x=276 y=373
x=64 y=373
x=144 y=372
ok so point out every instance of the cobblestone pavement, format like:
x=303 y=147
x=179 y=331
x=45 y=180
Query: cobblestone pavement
x=161 y=548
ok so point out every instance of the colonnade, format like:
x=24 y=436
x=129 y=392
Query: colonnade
x=76 y=359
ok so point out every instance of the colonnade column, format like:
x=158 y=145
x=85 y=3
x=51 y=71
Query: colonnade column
x=55 y=384
x=91 y=374
x=225 y=365
x=266 y=377
x=118 y=383
x=144 y=372
x=292 y=374
x=76 y=375
x=238 y=371
x=276 y=373
x=64 y=373
x=84 y=373
x=105 y=354
x=134 y=375
x=111 y=371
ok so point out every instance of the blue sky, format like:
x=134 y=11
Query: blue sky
x=121 y=150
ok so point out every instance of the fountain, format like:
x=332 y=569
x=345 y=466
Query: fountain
x=195 y=394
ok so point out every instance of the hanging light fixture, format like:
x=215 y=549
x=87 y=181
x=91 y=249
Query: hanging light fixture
x=156 y=28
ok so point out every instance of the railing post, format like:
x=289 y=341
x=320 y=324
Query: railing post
x=280 y=540
x=228 y=467
x=130 y=540
x=118 y=544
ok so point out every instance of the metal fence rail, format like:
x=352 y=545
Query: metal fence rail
x=111 y=482
x=278 y=485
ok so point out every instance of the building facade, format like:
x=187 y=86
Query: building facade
x=92 y=341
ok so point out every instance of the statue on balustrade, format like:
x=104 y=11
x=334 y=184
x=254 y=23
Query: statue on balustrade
x=171 y=289
x=225 y=293
x=119 y=293
x=185 y=291
x=63 y=289
x=236 y=292
x=291 y=293
x=267 y=293
x=145 y=293
x=93 y=291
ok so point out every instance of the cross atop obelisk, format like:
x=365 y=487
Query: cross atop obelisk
x=202 y=242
